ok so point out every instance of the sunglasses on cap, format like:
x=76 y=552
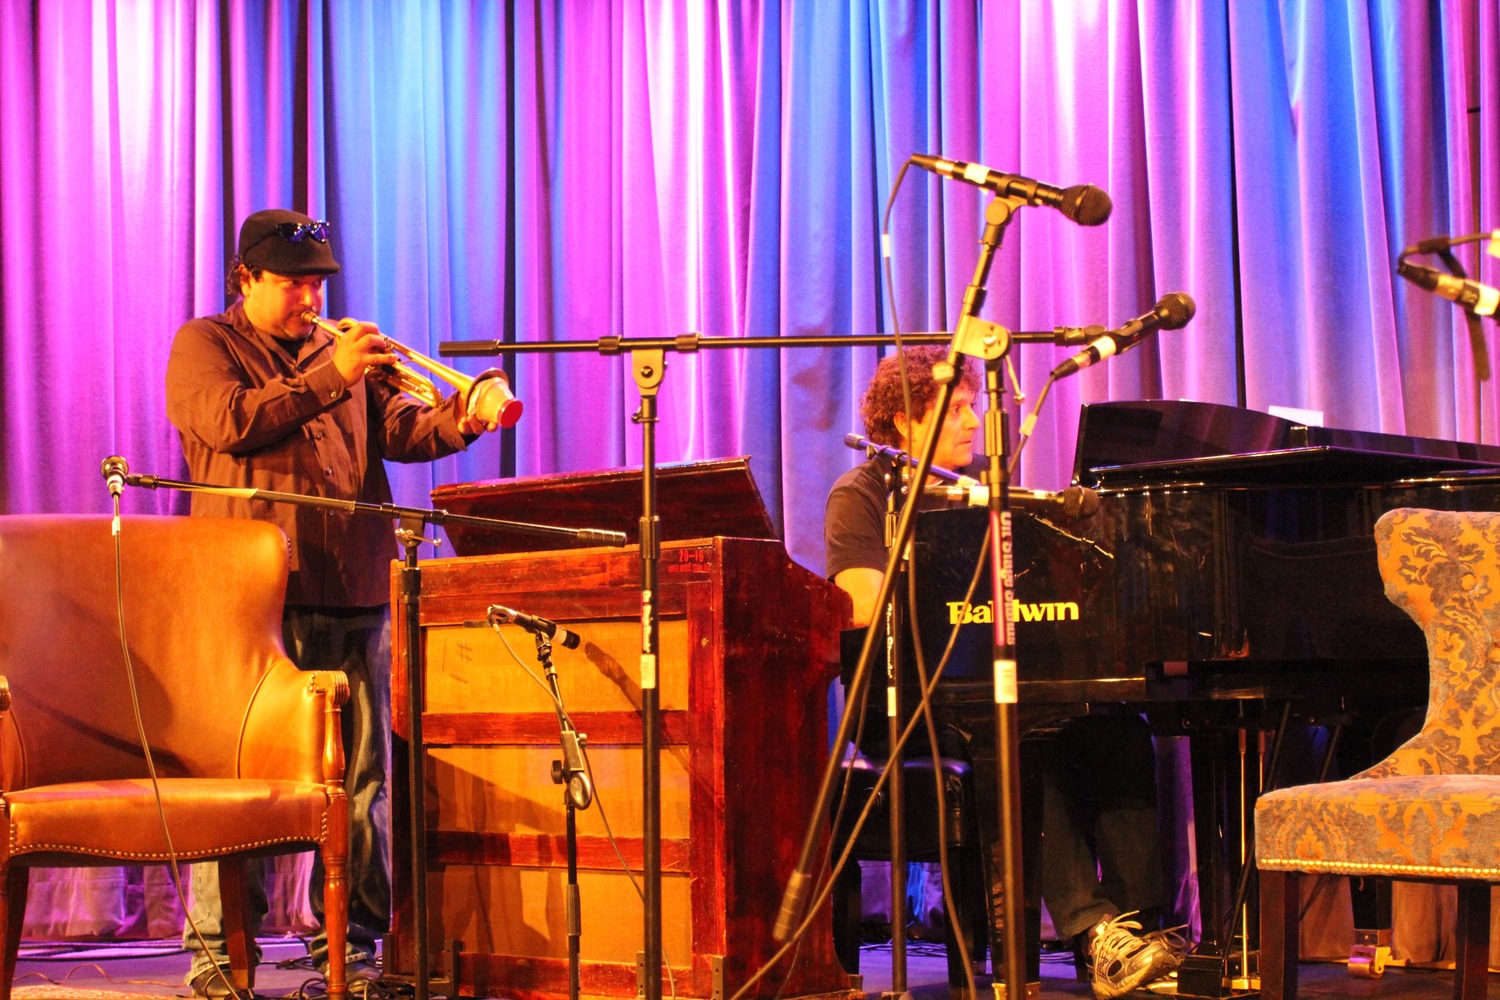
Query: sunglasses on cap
x=295 y=232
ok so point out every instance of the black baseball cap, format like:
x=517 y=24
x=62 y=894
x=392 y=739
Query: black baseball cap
x=286 y=242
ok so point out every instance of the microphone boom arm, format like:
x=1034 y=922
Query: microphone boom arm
x=430 y=516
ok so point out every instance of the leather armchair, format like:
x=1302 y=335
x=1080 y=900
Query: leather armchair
x=247 y=747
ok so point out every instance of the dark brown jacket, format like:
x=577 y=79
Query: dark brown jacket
x=251 y=413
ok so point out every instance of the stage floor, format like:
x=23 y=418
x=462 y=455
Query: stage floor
x=155 y=969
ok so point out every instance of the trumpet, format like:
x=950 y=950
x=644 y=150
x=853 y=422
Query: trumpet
x=486 y=395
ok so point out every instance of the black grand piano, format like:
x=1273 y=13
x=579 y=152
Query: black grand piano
x=1228 y=543
x=1228 y=573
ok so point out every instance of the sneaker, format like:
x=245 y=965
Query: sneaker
x=1125 y=959
x=1172 y=940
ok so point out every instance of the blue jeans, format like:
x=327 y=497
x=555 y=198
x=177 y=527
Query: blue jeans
x=1100 y=857
x=358 y=642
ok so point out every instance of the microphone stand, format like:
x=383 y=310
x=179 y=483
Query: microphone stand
x=411 y=521
x=895 y=782
x=980 y=339
x=578 y=793
x=648 y=365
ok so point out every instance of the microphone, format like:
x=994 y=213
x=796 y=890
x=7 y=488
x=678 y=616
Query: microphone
x=114 y=470
x=861 y=443
x=1437 y=244
x=1475 y=297
x=1171 y=312
x=1083 y=203
x=1073 y=503
x=1066 y=336
x=1433 y=244
x=535 y=625
x=572 y=771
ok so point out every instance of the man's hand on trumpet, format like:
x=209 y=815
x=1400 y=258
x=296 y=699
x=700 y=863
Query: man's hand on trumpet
x=361 y=351
x=470 y=423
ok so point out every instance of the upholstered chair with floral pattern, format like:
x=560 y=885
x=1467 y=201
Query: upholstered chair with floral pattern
x=1431 y=810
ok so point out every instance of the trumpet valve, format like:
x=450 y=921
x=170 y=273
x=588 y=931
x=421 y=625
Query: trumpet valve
x=489 y=399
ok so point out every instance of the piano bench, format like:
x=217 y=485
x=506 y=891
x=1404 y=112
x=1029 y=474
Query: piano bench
x=966 y=869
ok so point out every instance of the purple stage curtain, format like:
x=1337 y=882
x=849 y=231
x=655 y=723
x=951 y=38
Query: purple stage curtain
x=566 y=171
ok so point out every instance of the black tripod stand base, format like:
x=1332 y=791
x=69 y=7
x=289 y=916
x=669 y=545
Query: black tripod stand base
x=445 y=985
x=1204 y=975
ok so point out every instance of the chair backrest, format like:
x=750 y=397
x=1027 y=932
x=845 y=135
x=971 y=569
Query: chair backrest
x=1443 y=569
x=202 y=608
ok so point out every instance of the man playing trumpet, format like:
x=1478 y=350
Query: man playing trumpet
x=263 y=397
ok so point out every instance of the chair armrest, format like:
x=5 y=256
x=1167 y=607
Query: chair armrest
x=292 y=730
x=11 y=754
x=333 y=687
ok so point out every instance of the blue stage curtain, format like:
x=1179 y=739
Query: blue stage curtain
x=548 y=172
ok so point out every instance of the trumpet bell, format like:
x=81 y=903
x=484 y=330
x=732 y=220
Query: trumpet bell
x=489 y=398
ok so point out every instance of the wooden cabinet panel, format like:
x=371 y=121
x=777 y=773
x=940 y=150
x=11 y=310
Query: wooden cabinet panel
x=749 y=643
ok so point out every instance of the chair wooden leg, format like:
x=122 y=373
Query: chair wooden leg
x=1472 y=941
x=336 y=915
x=232 y=898
x=967 y=881
x=848 y=902
x=13 y=885
x=1280 y=898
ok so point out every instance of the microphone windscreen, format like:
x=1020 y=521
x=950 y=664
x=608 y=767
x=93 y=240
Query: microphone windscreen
x=1176 y=308
x=1085 y=204
x=1088 y=502
x=1079 y=502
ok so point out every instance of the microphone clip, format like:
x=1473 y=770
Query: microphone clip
x=571 y=772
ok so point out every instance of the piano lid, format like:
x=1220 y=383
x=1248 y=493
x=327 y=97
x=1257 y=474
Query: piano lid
x=1164 y=442
x=693 y=500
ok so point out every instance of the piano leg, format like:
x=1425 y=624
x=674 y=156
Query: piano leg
x=848 y=906
x=1226 y=769
x=1227 y=754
